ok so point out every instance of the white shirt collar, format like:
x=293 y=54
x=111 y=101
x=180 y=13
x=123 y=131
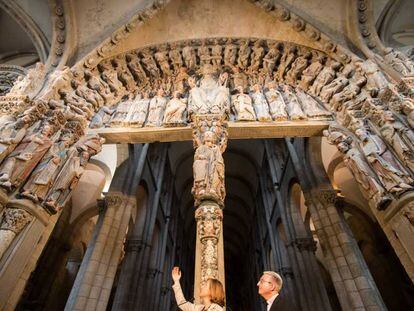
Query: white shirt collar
x=271 y=300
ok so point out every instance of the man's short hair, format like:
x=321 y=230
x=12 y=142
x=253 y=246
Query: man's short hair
x=276 y=277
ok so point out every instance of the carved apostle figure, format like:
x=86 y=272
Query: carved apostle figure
x=286 y=61
x=392 y=175
x=371 y=189
x=375 y=78
x=19 y=164
x=337 y=85
x=162 y=58
x=119 y=116
x=277 y=105
x=138 y=110
x=91 y=96
x=216 y=51
x=208 y=170
x=204 y=53
x=239 y=78
x=77 y=157
x=102 y=117
x=399 y=137
x=256 y=56
x=293 y=106
x=97 y=84
x=110 y=76
x=399 y=61
x=309 y=74
x=156 y=109
x=180 y=80
x=136 y=68
x=242 y=106
x=311 y=107
x=43 y=176
x=244 y=53
x=271 y=58
x=230 y=53
x=78 y=104
x=189 y=56
x=175 y=57
x=175 y=111
x=124 y=75
x=348 y=93
x=298 y=66
x=11 y=133
x=260 y=104
x=326 y=76
x=149 y=63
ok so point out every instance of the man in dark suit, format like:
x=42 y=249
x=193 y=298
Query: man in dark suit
x=269 y=286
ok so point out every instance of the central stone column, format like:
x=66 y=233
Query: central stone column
x=210 y=141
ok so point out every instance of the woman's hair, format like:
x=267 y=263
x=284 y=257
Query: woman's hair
x=216 y=291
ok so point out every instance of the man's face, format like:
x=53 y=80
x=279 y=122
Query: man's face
x=265 y=285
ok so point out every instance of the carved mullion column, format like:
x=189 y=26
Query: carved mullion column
x=210 y=140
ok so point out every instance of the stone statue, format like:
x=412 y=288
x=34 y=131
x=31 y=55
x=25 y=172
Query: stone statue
x=272 y=57
x=124 y=75
x=210 y=97
x=348 y=93
x=312 y=108
x=175 y=111
x=189 y=56
x=180 y=81
x=102 y=117
x=45 y=173
x=230 y=53
x=97 y=84
x=216 y=51
x=370 y=187
x=121 y=112
x=135 y=67
x=68 y=177
x=11 y=133
x=256 y=56
x=260 y=104
x=389 y=171
x=239 y=78
x=91 y=96
x=337 y=85
x=204 y=53
x=162 y=58
x=244 y=53
x=309 y=74
x=298 y=66
x=26 y=85
x=242 y=106
x=293 y=107
x=175 y=57
x=286 y=61
x=326 y=76
x=156 y=109
x=78 y=104
x=20 y=163
x=375 y=78
x=399 y=61
x=149 y=63
x=399 y=137
x=208 y=170
x=407 y=107
x=276 y=102
x=110 y=76
x=137 y=113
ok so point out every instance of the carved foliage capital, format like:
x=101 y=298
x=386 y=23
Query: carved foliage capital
x=15 y=219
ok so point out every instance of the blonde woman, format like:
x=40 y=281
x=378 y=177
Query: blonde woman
x=211 y=295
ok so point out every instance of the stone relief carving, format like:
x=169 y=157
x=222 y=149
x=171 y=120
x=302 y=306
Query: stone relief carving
x=242 y=106
x=28 y=84
x=260 y=104
x=175 y=111
x=156 y=109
